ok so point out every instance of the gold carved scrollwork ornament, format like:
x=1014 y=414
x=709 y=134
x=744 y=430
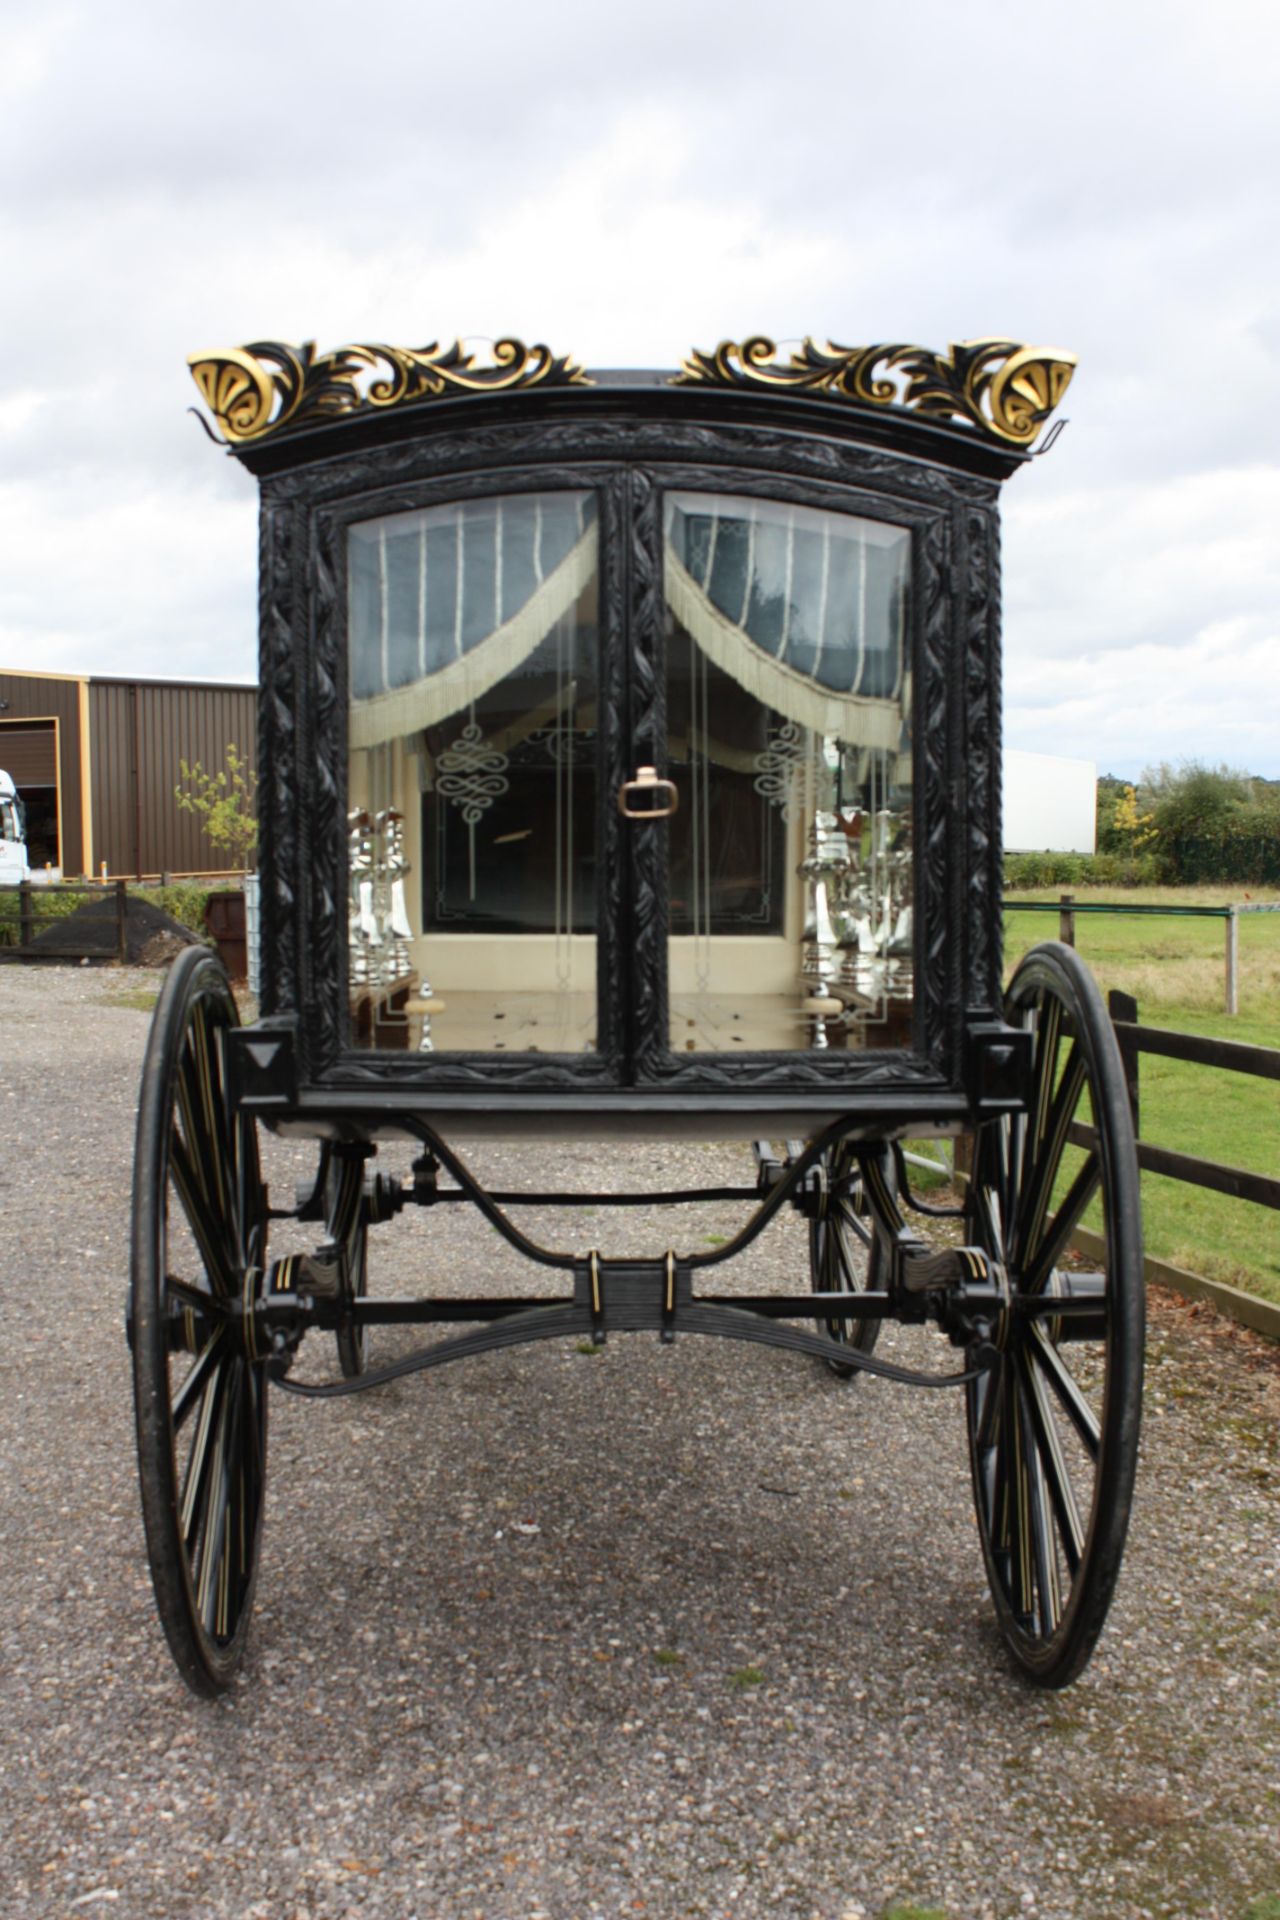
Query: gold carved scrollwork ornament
x=1003 y=389
x=255 y=390
x=237 y=391
x=1027 y=388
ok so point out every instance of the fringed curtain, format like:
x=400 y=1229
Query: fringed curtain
x=805 y=610
x=445 y=603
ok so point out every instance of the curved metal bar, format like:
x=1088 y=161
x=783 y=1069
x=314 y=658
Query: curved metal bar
x=550 y=1323
x=777 y=1196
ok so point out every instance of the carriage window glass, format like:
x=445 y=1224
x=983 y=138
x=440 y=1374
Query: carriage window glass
x=789 y=740
x=472 y=642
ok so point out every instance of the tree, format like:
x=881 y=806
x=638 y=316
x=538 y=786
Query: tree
x=225 y=804
x=1216 y=825
x=1192 y=800
x=1123 y=826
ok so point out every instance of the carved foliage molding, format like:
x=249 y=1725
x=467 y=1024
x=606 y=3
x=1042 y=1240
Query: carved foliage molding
x=280 y=806
x=984 y=860
x=259 y=389
x=1004 y=389
x=936 y=824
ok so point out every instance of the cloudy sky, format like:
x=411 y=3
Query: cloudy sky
x=625 y=185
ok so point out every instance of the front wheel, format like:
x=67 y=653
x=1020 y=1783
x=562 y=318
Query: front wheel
x=196 y=1273
x=1053 y=1427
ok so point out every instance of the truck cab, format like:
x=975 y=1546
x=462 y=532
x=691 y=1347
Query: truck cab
x=13 y=838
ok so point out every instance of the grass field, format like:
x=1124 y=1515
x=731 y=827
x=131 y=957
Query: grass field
x=1175 y=969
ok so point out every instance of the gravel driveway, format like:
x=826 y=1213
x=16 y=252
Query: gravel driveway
x=661 y=1631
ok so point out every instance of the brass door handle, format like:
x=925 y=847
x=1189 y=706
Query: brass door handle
x=647 y=781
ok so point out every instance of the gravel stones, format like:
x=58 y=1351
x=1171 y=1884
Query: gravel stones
x=652 y=1631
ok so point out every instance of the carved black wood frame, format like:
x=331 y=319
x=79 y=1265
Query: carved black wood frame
x=628 y=462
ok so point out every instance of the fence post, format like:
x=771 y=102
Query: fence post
x=1233 y=960
x=122 y=922
x=1067 y=919
x=1123 y=1006
x=24 y=913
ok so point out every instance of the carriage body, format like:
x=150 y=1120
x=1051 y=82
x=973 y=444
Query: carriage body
x=483 y=612
x=629 y=764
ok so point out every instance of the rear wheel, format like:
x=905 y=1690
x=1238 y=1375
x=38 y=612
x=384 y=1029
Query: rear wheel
x=347 y=1217
x=1053 y=1428
x=846 y=1254
x=197 y=1260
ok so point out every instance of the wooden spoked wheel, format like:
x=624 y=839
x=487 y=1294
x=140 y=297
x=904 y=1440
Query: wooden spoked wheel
x=1053 y=1428
x=347 y=1220
x=845 y=1252
x=198 y=1254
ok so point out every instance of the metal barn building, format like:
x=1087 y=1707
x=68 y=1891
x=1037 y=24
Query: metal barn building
x=96 y=760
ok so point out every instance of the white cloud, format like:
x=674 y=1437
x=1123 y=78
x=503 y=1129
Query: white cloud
x=626 y=185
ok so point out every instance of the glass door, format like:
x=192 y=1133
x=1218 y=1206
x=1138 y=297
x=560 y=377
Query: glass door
x=474 y=771
x=789 y=743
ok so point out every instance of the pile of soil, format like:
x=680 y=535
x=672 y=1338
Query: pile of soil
x=152 y=937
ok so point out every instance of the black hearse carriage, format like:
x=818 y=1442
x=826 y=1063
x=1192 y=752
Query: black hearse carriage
x=630 y=756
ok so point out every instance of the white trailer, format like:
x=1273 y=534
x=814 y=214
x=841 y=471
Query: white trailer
x=1050 y=803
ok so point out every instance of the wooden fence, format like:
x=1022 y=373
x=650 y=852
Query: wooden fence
x=1068 y=907
x=1262 y=1190
x=30 y=915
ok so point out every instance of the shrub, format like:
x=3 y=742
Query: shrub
x=224 y=802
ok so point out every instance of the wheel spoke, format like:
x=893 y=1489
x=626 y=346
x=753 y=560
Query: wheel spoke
x=211 y=1582
x=192 y=1389
x=211 y=1239
x=1053 y=1244
x=1059 y=1377
x=1048 y=1036
x=1015 y=1528
x=211 y=1158
x=1053 y=1462
x=845 y=1215
x=846 y=1280
x=836 y=1241
x=987 y=1398
x=1039 y=1182
x=187 y=1293
x=195 y=1483
x=1040 y=1525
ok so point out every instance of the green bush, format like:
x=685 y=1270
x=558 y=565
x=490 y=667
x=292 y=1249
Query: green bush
x=184 y=900
x=1213 y=825
x=47 y=904
x=1023 y=870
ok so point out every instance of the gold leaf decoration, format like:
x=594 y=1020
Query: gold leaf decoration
x=256 y=390
x=1004 y=389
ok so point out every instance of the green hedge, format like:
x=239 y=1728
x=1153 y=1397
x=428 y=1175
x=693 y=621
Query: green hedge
x=185 y=901
x=1240 y=851
x=1081 y=870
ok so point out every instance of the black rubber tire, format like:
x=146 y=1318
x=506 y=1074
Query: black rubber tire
x=1053 y=1431
x=197 y=1258
x=845 y=1254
